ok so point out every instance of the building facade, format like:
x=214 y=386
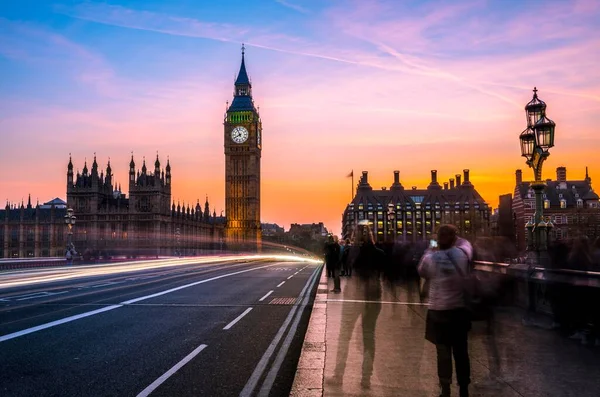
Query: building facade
x=571 y=205
x=413 y=215
x=243 y=147
x=28 y=231
x=144 y=222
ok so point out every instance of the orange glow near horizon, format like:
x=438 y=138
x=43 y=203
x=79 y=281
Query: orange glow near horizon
x=363 y=86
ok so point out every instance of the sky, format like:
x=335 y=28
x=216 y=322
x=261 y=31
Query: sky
x=342 y=85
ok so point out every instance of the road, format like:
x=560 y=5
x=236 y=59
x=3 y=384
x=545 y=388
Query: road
x=185 y=327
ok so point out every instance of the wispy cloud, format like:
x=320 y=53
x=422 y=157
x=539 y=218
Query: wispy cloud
x=294 y=7
x=30 y=43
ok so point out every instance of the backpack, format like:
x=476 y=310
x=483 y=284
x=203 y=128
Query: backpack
x=473 y=291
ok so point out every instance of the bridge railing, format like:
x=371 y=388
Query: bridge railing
x=546 y=284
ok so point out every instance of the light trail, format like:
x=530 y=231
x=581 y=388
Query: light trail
x=39 y=276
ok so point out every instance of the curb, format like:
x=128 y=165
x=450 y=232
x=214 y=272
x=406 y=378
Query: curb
x=308 y=381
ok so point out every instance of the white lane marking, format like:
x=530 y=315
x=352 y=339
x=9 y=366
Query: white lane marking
x=43 y=295
x=57 y=322
x=265 y=390
x=238 y=318
x=262 y=364
x=290 y=276
x=189 y=285
x=280 y=284
x=27 y=295
x=265 y=297
x=170 y=372
x=105 y=309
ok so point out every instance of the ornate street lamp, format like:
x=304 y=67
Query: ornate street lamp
x=390 y=219
x=70 y=219
x=535 y=141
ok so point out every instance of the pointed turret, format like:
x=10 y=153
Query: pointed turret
x=95 y=166
x=70 y=172
x=85 y=168
x=242 y=78
x=144 y=169
x=157 y=167
x=29 y=201
x=206 y=210
x=168 y=174
x=108 y=180
x=242 y=99
x=131 y=172
x=198 y=210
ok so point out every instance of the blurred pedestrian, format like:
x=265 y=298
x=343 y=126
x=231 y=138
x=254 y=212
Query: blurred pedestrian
x=346 y=268
x=369 y=259
x=332 y=254
x=448 y=320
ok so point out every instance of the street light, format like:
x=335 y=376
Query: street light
x=390 y=219
x=70 y=222
x=535 y=141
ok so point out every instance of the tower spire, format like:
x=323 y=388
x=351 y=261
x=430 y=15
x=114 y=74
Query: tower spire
x=242 y=78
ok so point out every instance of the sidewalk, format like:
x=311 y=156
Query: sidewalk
x=370 y=342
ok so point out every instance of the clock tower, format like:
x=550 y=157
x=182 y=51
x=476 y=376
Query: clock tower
x=243 y=146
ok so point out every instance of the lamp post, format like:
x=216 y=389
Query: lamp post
x=70 y=222
x=535 y=141
x=390 y=220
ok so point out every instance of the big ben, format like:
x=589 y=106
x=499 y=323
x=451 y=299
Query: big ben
x=243 y=146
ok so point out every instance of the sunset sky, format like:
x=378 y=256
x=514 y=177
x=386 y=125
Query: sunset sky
x=341 y=85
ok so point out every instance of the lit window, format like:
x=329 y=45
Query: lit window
x=547 y=204
x=399 y=224
x=563 y=204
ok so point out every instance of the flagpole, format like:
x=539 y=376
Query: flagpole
x=352 y=187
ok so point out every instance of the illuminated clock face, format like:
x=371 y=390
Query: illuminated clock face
x=239 y=134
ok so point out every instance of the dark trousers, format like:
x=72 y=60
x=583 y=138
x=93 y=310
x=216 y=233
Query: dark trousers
x=458 y=348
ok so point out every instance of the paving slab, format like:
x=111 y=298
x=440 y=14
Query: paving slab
x=369 y=340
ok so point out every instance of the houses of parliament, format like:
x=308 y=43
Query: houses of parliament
x=146 y=221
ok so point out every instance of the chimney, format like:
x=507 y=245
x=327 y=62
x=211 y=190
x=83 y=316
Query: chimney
x=458 y=180
x=466 y=177
x=451 y=183
x=434 y=177
x=445 y=185
x=396 y=177
x=561 y=174
x=519 y=177
x=365 y=177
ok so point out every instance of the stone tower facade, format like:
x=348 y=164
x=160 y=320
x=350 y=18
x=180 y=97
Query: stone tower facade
x=243 y=146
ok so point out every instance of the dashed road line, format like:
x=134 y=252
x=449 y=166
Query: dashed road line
x=265 y=297
x=170 y=372
x=280 y=284
x=238 y=318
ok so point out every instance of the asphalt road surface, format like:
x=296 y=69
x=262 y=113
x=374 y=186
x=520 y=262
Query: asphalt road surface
x=177 y=327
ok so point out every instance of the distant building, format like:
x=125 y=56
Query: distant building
x=313 y=231
x=28 y=231
x=271 y=229
x=413 y=215
x=571 y=205
x=504 y=218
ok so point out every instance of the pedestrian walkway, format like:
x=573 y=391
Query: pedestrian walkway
x=370 y=342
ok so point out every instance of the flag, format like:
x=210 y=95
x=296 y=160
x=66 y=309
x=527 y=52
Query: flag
x=351 y=174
